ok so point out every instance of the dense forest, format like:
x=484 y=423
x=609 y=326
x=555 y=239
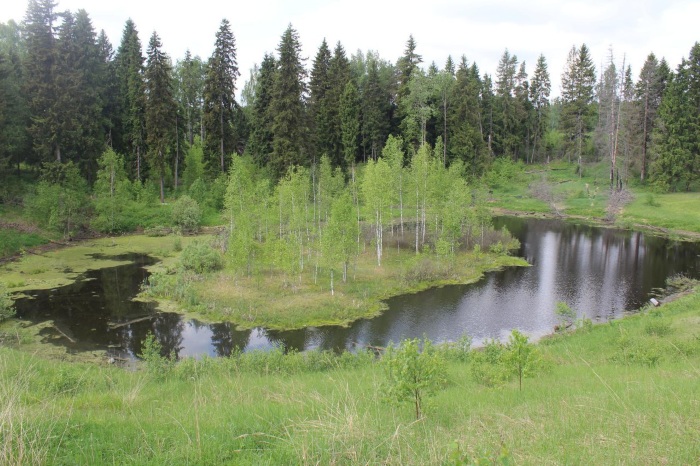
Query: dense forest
x=71 y=105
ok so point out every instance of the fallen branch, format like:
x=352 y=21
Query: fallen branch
x=72 y=340
x=113 y=325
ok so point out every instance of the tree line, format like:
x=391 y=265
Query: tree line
x=67 y=96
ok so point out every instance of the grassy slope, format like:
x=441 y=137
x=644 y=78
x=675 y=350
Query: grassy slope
x=601 y=402
x=586 y=197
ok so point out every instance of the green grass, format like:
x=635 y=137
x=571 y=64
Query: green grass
x=13 y=241
x=677 y=211
x=600 y=402
x=586 y=197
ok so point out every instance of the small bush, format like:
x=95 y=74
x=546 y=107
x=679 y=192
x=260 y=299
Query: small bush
x=415 y=370
x=487 y=365
x=200 y=257
x=152 y=355
x=186 y=214
x=7 y=309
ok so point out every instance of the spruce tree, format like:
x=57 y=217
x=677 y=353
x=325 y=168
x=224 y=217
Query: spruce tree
x=287 y=106
x=677 y=146
x=465 y=141
x=14 y=111
x=505 y=135
x=648 y=92
x=129 y=134
x=260 y=141
x=88 y=100
x=338 y=78
x=160 y=110
x=40 y=79
x=376 y=109
x=319 y=104
x=540 y=88
x=350 y=123
x=578 y=91
x=406 y=66
x=219 y=100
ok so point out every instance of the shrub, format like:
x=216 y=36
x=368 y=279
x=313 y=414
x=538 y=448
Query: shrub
x=187 y=214
x=414 y=372
x=6 y=304
x=152 y=355
x=200 y=257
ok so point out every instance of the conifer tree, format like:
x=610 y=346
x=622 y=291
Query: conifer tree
x=319 y=103
x=505 y=135
x=109 y=92
x=219 y=99
x=350 y=123
x=578 y=91
x=406 y=66
x=40 y=79
x=130 y=135
x=465 y=141
x=14 y=112
x=540 y=88
x=375 y=109
x=338 y=78
x=287 y=106
x=89 y=84
x=677 y=140
x=260 y=141
x=648 y=92
x=160 y=110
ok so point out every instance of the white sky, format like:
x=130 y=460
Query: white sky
x=479 y=29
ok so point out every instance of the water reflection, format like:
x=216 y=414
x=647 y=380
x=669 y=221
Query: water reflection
x=598 y=272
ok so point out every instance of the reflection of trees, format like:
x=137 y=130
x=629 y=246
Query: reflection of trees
x=225 y=338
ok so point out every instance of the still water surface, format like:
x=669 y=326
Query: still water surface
x=600 y=273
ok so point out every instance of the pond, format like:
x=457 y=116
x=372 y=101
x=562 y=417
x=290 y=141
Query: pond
x=600 y=273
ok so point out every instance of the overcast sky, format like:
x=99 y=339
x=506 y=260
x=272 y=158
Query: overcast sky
x=479 y=29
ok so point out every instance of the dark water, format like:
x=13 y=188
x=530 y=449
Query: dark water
x=600 y=273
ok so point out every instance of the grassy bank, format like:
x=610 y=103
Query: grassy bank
x=50 y=269
x=558 y=189
x=620 y=393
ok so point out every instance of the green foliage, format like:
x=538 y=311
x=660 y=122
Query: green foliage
x=157 y=363
x=186 y=214
x=6 y=304
x=60 y=202
x=521 y=357
x=503 y=173
x=487 y=365
x=194 y=167
x=220 y=78
x=13 y=241
x=497 y=363
x=200 y=257
x=459 y=350
x=112 y=193
x=416 y=370
x=160 y=110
